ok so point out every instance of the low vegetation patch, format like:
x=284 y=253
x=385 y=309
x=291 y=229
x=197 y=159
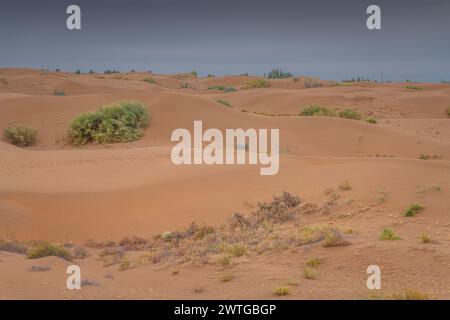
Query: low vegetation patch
x=282 y=291
x=224 y=102
x=46 y=249
x=312 y=84
x=310 y=273
x=59 y=92
x=410 y=294
x=350 y=114
x=414 y=209
x=413 y=87
x=20 y=136
x=317 y=110
x=425 y=239
x=258 y=83
x=277 y=73
x=150 y=80
x=313 y=262
x=388 y=234
x=371 y=120
x=13 y=246
x=122 y=122
x=345 y=186
x=221 y=88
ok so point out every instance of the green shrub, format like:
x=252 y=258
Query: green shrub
x=59 y=92
x=413 y=210
x=371 y=120
x=388 y=234
x=350 y=114
x=233 y=89
x=277 y=73
x=221 y=88
x=258 y=83
x=20 y=136
x=224 y=102
x=411 y=87
x=46 y=249
x=194 y=73
x=317 y=110
x=150 y=80
x=122 y=122
x=282 y=291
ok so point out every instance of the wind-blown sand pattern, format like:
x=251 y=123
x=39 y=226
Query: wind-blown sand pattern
x=65 y=194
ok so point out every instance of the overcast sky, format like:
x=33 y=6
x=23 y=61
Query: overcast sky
x=324 y=38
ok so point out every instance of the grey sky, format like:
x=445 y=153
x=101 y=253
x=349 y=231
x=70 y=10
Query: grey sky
x=325 y=38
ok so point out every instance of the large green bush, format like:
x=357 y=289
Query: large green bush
x=122 y=122
x=20 y=136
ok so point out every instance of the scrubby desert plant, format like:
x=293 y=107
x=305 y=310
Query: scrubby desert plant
x=317 y=110
x=414 y=209
x=13 y=246
x=309 y=273
x=312 y=84
x=282 y=291
x=237 y=250
x=150 y=80
x=218 y=87
x=194 y=73
x=46 y=249
x=313 y=262
x=233 y=89
x=410 y=294
x=20 y=136
x=277 y=73
x=59 y=92
x=345 y=186
x=349 y=114
x=388 y=234
x=224 y=102
x=413 y=87
x=425 y=239
x=371 y=120
x=258 y=83
x=122 y=122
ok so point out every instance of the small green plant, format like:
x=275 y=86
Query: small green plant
x=224 y=261
x=371 y=120
x=237 y=250
x=194 y=73
x=317 y=110
x=425 y=239
x=46 y=249
x=414 y=209
x=125 y=265
x=20 y=136
x=59 y=92
x=310 y=274
x=313 y=262
x=122 y=122
x=388 y=234
x=258 y=83
x=413 y=87
x=350 y=114
x=224 y=102
x=282 y=291
x=221 y=88
x=150 y=80
x=277 y=73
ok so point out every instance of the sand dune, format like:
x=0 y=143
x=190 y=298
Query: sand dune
x=62 y=193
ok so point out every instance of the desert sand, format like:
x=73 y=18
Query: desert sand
x=67 y=194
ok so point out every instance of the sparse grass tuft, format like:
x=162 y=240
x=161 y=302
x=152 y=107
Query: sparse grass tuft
x=282 y=291
x=20 y=136
x=350 y=114
x=237 y=250
x=410 y=295
x=317 y=110
x=414 y=209
x=218 y=87
x=125 y=265
x=258 y=83
x=13 y=246
x=224 y=261
x=426 y=239
x=224 y=102
x=345 y=186
x=227 y=277
x=371 y=120
x=388 y=234
x=313 y=262
x=310 y=274
x=122 y=122
x=46 y=249
x=150 y=80
x=413 y=87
